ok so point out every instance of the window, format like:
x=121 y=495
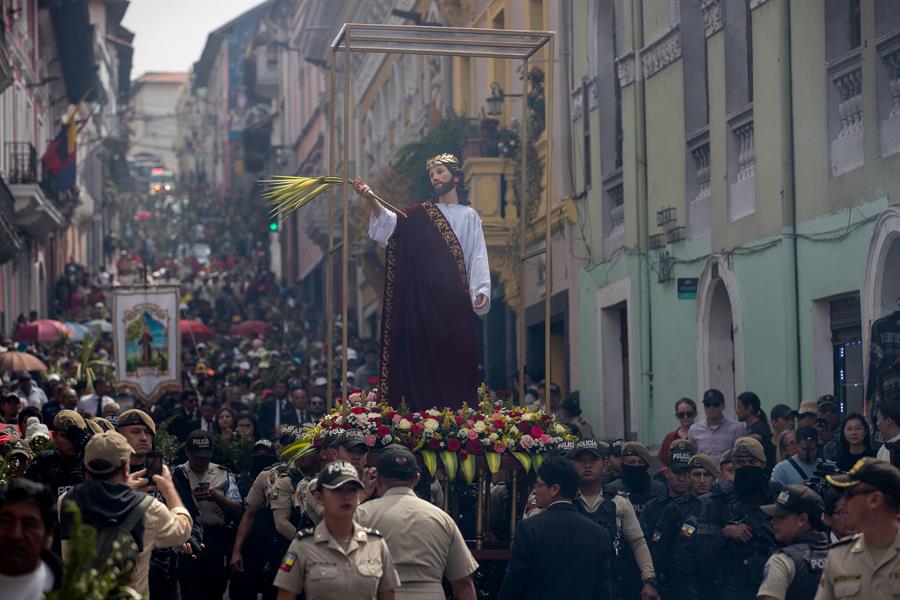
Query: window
x=739 y=106
x=887 y=75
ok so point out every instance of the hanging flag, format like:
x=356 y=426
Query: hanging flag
x=59 y=158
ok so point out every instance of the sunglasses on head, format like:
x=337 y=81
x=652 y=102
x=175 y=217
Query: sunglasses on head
x=684 y=415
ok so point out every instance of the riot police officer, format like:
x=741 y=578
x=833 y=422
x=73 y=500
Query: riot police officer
x=614 y=513
x=61 y=469
x=678 y=481
x=672 y=543
x=734 y=534
x=793 y=572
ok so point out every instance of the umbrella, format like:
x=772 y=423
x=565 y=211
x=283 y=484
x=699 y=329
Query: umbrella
x=45 y=330
x=251 y=328
x=195 y=330
x=99 y=326
x=20 y=361
x=78 y=331
x=141 y=215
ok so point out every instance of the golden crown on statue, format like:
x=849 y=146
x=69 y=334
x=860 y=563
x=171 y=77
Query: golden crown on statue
x=441 y=159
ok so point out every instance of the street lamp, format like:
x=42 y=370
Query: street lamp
x=495 y=100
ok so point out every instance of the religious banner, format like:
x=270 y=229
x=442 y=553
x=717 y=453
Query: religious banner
x=148 y=346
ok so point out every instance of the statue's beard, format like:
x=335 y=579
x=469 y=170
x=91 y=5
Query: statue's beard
x=444 y=188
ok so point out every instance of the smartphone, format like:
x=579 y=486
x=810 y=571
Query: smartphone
x=203 y=485
x=153 y=464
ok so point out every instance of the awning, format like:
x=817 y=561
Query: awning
x=73 y=32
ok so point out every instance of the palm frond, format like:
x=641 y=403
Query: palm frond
x=288 y=193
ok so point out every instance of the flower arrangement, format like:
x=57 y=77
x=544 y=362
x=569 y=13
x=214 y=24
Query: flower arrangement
x=456 y=436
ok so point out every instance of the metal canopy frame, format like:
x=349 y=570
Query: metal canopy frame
x=363 y=38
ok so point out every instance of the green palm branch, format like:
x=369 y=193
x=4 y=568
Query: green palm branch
x=288 y=193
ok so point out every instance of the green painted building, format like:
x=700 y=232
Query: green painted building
x=738 y=166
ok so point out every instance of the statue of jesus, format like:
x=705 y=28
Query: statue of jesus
x=436 y=277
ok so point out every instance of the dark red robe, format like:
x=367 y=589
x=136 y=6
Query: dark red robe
x=429 y=356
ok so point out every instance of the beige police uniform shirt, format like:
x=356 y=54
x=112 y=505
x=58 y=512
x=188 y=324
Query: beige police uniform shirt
x=630 y=528
x=316 y=564
x=163 y=528
x=281 y=501
x=217 y=477
x=425 y=542
x=852 y=571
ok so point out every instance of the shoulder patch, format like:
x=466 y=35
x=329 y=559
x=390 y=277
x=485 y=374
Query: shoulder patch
x=622 y=493
x=302 y=533
x=846 y=540
x=371 y=531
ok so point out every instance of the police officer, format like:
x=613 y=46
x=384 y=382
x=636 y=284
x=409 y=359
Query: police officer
x=258 y=546
x=61 y=468
x=678 y=482
x=218 y=501
x=339 y=558
x=793 y=572
x=735 y=534
x=672 y=540
x=866 y=565
x=615 y=513
x=615 y=461
x=139 y=429
x=424 y=540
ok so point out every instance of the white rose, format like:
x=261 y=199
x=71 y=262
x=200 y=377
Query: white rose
x=404 y=424
x=431 y=424
x=387 y=439
x=374 y=416
x=493 y=437
x=479 y=426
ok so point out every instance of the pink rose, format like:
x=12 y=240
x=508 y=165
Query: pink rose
x=370 y=397
x=499 y=447
x=396 y=418
x=354 y=398
x=546 y=438
x=370 y=440
x=527 y=441
x=473 y=435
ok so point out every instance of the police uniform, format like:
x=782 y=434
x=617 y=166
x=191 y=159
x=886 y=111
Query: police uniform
x=257 y=550
x=205 y=576
x=793 y=572
x=321 y=567
x=852 y=570
x=424 y=541
x=57 y=472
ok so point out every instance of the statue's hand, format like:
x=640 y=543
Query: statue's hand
x=361 y=188
x=481 y=301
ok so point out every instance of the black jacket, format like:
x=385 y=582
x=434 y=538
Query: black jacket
x=558 y=554
x=267 y=416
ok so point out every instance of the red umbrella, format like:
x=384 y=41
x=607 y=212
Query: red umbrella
x=141 y=215
x=195 y=330
x=46 y=330
x=251 y=328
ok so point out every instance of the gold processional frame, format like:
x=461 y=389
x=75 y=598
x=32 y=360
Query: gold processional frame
x=440 y=41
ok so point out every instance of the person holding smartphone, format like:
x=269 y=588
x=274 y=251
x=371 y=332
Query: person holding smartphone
x=139 y=429
x=216 y=496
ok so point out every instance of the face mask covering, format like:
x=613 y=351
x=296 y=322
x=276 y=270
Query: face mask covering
x=635 y=478
x=750 y=481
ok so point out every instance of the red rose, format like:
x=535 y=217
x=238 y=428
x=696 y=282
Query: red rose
x=458 y=419
x=516 y=413
x=357 y=410
x=463 y=455
x=536 y=432
x=382 y=431
x=498 y=423
x=417 y=429
x=434 y=444
x=453 y=445
x=409 y=444
x=523 y=426
x=474 y=447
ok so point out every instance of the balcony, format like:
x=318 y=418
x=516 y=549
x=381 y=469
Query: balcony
x=10 y=242
x=846 y=108
x=698 y=183
x=34 y=210
x=742 y=165
x=888 y=48
x=614 y=213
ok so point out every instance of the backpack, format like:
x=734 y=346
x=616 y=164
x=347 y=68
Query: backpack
x=115 y=545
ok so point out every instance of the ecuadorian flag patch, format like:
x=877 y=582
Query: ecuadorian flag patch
x=288 y=563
